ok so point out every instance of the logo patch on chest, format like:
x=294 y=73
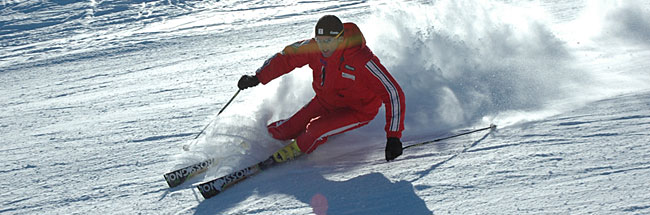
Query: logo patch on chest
x=348 y=76
x=349 y=67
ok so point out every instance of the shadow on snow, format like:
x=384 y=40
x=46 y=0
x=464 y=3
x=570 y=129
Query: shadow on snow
x=366 y=194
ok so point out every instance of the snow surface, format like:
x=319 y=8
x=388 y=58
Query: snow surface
x=97 y=98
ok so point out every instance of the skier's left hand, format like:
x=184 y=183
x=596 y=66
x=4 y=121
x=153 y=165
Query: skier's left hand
x=393 y=148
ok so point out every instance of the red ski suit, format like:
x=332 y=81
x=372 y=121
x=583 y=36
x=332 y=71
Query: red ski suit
x=350 y=87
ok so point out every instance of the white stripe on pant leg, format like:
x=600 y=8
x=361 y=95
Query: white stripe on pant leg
x=335 y=131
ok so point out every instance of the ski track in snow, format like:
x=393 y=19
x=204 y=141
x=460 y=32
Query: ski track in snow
x=96 y=99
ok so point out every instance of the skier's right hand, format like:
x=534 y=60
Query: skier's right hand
x=247 y=81
x=393 y=148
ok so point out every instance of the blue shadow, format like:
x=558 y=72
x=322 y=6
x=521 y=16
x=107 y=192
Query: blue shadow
x=366 y=194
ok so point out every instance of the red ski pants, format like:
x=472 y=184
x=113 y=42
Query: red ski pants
x=312 y=124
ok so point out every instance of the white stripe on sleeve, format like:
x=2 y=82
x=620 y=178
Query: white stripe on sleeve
x=392 y=92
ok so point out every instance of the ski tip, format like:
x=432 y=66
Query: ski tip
x=493 y=126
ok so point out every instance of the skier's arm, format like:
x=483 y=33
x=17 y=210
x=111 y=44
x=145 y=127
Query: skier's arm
x=293 y=56
x=385 y=86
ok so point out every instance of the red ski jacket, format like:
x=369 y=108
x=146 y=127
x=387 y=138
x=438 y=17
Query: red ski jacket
x=352 y=77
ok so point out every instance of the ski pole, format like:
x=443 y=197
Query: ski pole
x=187 y=147
x=492 y=127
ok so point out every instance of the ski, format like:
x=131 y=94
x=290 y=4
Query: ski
x=212 y=188
x=177 y=177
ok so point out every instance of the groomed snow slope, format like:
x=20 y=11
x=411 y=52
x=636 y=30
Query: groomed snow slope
x=97 y=98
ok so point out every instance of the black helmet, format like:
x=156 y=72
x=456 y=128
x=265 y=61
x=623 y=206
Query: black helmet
x=329 y=25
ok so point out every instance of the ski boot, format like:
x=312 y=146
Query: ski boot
x=287 y=153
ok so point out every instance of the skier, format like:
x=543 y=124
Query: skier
x=350 y=85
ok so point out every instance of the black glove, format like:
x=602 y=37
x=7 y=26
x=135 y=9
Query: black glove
x=247 y=81
x=393 y=148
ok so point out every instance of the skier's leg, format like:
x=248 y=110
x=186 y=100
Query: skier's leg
x=290 y=128
x=335 y=122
